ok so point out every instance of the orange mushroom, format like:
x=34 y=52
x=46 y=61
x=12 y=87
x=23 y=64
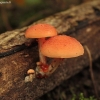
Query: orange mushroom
x=40 y=31
x=57 y=47
x=61 y=46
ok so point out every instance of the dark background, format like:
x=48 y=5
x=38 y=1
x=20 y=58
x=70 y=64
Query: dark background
x=19 y=13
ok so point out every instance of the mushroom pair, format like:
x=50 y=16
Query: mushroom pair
x=57 y=47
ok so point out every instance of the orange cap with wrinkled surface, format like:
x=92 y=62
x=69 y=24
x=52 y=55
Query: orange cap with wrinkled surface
x=40 y=31
x=62 y=46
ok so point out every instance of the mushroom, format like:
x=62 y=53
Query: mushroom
x=31 y=75
x=59 y=47
x=41 y=31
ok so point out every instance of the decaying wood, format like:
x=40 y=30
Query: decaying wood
x=81 y=22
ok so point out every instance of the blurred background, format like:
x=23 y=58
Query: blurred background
x=19 y=13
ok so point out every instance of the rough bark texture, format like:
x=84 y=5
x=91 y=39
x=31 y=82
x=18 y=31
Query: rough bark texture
x=81 y=22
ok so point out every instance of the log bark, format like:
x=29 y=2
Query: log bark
x=81 y=22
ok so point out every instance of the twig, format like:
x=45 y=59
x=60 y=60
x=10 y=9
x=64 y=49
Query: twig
x=91 y=72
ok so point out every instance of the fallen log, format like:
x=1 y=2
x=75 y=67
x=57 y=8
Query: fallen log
x=81 y=22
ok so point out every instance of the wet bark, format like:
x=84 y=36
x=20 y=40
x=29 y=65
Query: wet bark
x=81 y=22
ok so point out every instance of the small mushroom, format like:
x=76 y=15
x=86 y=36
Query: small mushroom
x=40 y=31
x=31 y=75
x=61 y=46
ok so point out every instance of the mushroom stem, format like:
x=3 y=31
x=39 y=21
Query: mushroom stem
x=42 y=57
x=54 y=65
x=44 y=70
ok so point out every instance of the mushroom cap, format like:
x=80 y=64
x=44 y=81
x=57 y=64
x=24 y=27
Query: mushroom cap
x=30 y=71
x=40 y=31
x=62 y=46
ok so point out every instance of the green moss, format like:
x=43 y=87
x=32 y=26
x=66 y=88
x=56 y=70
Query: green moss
x=81 y=97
